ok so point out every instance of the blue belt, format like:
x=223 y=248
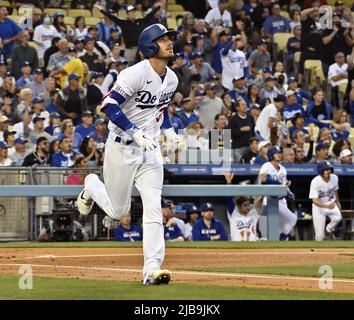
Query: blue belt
x=120 y=140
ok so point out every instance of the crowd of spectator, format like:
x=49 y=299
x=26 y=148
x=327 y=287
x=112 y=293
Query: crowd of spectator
x=231 y=78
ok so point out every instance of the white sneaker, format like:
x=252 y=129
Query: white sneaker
x=84 y=205
x=157 y=277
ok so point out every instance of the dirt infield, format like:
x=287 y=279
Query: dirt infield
x=126 y=264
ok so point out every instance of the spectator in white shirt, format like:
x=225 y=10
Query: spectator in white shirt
x=4 y=160
x=337 y=74
x=219 y=16
x=268 y=118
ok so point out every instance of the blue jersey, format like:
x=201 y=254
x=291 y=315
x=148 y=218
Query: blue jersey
x=172 y=232
x=276 y=24
x=84 y=132
x=186 y=121
x=128 y=235
x=201 y=232
x=289 y=111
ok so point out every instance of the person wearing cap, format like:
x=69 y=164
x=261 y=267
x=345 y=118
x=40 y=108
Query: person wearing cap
x=268 y=118
x=94 y=90
x=187 y=114
x=105 y=28
x=37 y=84
x=21 y=53
x=199 y=66
x=233 y=59
x=174 y=227
x=207 y=228
x=26 y=76
x=115 y=37
x=39 y=111
x=209 y=106
x=252 y=152
x=4 y=160
x=242 y=129
x=300 y=93
x=126 y=231
x=9 y=138
x=333 y=42
x=43 y=35
x=9 y=31
x=269 y=90
x=219 y=16
x=262 y=157
x=218 y=42
x=131 y=28
x=243 y=217
x=275 y=23
x=93 y=61
x=71 y=101
x=193 y=214
x=175 y=120
x=239 y=89
x=274 y=173
x=40 y=156
x=325 y=201
x=54 y=127
x=346 y=157
x=100 y=135
x=115 y=67
x=38 y=130
x=292 y=107
x=86 y=127
x=183 y=74
x=259 y=58
x=20 y=152
x=73 y=66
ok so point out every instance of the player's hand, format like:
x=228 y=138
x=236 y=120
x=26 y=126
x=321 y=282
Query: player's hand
x=144 y=141
x=332 y=205
x=228 y=177
x=172 y=139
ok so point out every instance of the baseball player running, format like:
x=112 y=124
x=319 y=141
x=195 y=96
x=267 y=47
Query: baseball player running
x=325 y=201
x=137 y=108
x=243 y=218
x=272 y=172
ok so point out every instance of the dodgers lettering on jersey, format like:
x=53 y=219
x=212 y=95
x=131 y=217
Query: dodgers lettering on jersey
x=243 y=227
x=279 y=175
x=324 y=191
x=146 y=97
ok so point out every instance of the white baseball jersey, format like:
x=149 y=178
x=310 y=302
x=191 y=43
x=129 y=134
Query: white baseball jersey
x=44 y=36
x=334 y=70
x=146 y=96
x=214 y=15
x=270 y=111
x=322 y=190
x=232 y=66
x=279 y=175
x=243 y=227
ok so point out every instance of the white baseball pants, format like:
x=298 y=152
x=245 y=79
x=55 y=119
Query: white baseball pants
x=287 y=219
x=319 y=220
x=123 y=166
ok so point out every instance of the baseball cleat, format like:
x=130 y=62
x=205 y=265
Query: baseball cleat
x=157 y=277
x=84 y=205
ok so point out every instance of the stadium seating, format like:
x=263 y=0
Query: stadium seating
x=97 y=13
x=174 y=7
x=280 y=41
x=313 y=73
x=172 y=23
x=52 y=11
x=5 y=4
x=92 y=21
x=69 y=21
x=79 y=12
x=285 y=14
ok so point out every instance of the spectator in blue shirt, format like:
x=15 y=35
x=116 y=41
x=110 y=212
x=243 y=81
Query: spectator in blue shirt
x=207 y=228
x=86 y=127
x=262 y=157
x=298 y=121
x=65 y=157
x=175 y=119
x=26 y=76
x=126 y=231
x=218 y=42
x=187 y=114
x=240 y=90
x=100 y=135
x=319 y=108
x=172 y=232
x=275 y=23
x=50 y=105
x=54 y=128
x=292 y=107
x=9 y=31
x=300 y=94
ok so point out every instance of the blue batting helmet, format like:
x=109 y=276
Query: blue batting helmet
x=271 y=152
x=324 y=165
x=149 y=35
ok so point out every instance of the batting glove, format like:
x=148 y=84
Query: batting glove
x=144 y=141
x=172 y=139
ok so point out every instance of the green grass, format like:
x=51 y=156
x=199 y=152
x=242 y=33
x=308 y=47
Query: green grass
x=74 y=289
x=205 y=245
x=340 y=270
